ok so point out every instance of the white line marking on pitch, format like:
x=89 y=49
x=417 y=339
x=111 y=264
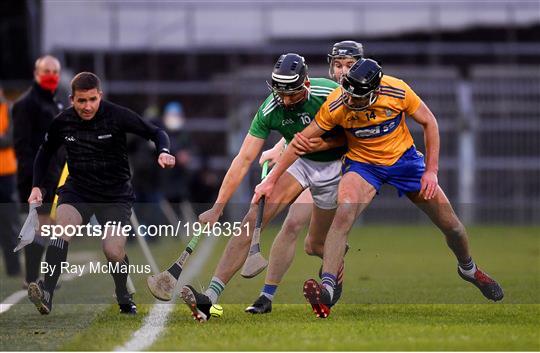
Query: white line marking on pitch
x=155 y=321
x=20 y=294
x=12 y=300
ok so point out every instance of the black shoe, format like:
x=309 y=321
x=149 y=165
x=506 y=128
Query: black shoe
x=126 y=304
x=25 y=284
x=262 y=305
x=40 y=297
x=489 y=288
x=198 y=303
x=318 y=297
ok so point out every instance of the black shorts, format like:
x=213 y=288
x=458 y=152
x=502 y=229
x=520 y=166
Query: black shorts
x=118 y=211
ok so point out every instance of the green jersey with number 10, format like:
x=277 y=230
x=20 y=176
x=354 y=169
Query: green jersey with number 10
x=272 y=116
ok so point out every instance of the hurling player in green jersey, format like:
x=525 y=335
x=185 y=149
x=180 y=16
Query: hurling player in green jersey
x=293 y=104
x=341 y=58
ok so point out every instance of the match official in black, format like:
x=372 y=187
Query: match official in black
x=93 y=132
x=32 y=115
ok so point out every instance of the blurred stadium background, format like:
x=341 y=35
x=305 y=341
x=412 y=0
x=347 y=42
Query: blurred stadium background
x=475 y=63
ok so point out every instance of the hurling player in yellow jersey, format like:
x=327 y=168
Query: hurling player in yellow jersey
x=341 y=58
x=371 y=108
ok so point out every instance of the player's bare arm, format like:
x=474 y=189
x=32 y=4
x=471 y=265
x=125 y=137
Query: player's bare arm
x=287 y=159
x=429 y=181
x=235 y=174
x=305 y=145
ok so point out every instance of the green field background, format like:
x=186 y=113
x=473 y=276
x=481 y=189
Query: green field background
x=401 y=293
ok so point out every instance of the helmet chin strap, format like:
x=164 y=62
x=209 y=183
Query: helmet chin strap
x=301 y=100
x=331 y=69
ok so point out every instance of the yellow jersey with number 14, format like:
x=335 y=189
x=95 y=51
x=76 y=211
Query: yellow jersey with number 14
x=377 y=135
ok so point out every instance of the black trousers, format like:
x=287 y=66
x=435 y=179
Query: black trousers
x=9 y=222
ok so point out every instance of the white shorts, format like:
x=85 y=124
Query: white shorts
x=322 y=178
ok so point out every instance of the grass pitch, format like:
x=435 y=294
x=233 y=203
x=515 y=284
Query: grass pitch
x=401 y=293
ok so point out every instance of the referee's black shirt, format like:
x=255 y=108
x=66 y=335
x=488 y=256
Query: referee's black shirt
x=97 y=151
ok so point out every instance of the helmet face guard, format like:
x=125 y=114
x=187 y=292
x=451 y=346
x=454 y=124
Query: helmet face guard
x=344 y=50
x=360 y=87
x=356 y=101
x=279 y=93
x=331 y=69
